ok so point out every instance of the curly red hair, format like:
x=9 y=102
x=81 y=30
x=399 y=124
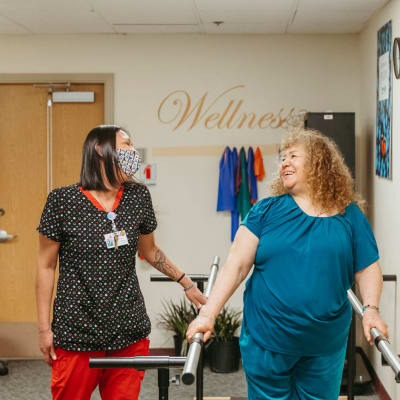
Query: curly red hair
x=329 y=178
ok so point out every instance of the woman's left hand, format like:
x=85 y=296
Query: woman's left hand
x=195 y=296
x=371 y=319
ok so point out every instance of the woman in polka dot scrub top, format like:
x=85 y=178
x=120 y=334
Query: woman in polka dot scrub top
x=95 y=227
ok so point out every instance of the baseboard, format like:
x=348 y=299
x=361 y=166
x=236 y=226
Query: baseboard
x=378 y=386
x=381 y=391
x=162 y=351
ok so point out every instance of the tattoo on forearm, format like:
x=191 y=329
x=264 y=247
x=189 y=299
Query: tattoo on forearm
x=160 y=262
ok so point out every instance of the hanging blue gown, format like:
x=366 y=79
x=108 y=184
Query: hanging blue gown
x=234 y=213
x=226 y=187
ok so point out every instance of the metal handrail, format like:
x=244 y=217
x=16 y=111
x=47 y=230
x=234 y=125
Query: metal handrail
x=189 y=370
x=164 y=278
x=139 y=362
x=381 y=343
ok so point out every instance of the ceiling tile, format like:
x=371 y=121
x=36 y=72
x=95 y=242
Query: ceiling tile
x=55 y=16
x=249 y=12
x=9 y=27
x=146 y=11
x=146 y=28
x=339 y=16
x=273 y=28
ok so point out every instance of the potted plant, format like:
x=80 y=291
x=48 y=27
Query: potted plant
x=176 y=318
x=224 y=352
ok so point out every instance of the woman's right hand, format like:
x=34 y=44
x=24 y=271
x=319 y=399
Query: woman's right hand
x=203 y=324
x=46 y=346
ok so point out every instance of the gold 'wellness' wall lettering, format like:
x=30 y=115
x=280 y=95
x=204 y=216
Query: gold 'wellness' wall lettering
x=176 y=108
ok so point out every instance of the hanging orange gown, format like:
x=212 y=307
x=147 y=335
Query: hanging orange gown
x=259 y=170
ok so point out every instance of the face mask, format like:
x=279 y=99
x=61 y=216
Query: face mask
x=128 y=161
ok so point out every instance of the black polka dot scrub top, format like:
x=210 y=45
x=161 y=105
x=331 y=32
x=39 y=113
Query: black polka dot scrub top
x=99 y=304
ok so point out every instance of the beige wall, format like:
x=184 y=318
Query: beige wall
x=383 y=194
x=310 y=72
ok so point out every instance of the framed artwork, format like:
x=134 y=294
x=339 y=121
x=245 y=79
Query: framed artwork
x=384 y=103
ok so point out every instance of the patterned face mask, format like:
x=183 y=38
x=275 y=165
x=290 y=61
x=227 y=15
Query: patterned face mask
x=128 y=161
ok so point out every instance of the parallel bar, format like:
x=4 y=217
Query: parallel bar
x=193 y=277
x=381 y=342
x=192 y=359
x=140 y=363
x=193 y=356
x=189 y=363
x=213 y=277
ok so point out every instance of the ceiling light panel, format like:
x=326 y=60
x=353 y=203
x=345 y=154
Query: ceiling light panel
x=151 y=12
x=50 y=16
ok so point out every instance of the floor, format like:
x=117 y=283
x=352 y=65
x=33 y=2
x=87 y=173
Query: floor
x=29 y=380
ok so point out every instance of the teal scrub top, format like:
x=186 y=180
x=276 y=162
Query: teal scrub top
x=295 y=301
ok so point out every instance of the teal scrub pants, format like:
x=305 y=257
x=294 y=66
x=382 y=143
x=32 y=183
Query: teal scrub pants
x=279 y=376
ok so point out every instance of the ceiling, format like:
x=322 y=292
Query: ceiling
x=32 y=17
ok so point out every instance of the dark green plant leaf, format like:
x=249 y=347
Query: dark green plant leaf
x=176 y=317
x=226 y=324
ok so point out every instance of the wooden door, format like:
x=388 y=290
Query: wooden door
x=23 y=159
x=23 y=192
x=71 y=124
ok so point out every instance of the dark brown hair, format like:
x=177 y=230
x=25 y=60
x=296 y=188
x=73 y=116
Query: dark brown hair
x=103 y=138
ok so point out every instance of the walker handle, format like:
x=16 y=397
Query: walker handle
x=381 y=343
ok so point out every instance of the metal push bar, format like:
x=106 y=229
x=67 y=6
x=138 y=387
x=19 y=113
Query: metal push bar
x=190 y=364
x=381 y=343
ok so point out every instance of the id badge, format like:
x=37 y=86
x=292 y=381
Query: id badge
x=121 y=236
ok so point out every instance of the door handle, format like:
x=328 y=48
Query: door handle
x=6 y=236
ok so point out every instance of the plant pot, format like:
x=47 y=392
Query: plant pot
x=225 y=356
x=178 y=345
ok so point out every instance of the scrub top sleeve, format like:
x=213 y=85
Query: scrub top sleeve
x=256 y=217
x=51 y=220
x=365 y=249
x=149 y=222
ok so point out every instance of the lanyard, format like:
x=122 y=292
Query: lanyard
x=111 y=216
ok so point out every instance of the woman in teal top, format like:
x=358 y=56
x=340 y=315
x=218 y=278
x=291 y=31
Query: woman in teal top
x=308 y=244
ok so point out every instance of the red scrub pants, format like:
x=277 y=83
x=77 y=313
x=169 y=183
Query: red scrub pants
x=71 y=378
